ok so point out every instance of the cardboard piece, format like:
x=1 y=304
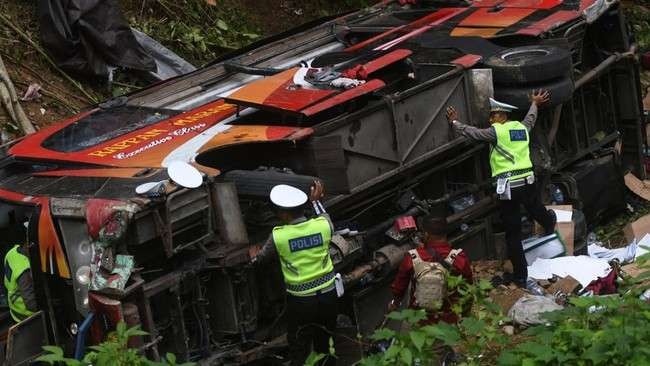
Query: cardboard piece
x=633 y=269
x=565 y=229
x=640 y=187
x=637 y=229
x=506 y=297
x=567 y=285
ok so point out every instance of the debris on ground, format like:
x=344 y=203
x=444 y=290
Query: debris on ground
x=565 y=285
x=32 y=92
x=565 y=226
x=506 y=296
x=638 y=229
x=639 y=187
x=550 y=246
x=528 y=310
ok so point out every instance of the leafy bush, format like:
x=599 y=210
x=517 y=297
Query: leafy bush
x=639 y=17
x=196 y=30
x=477 y=336
x=113 y=352
x=592 y=331
x=600 y=330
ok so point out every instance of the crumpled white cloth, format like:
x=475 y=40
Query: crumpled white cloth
x=624 y=255
x=528 y=309
x=346 y=83
x=583 y=268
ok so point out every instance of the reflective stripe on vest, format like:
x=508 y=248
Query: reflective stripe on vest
x=511 y=152
x=15 y=264
x=304 y=255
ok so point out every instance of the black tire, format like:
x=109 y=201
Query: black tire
x=259 y=183
x=561 y=91
x=529 y=64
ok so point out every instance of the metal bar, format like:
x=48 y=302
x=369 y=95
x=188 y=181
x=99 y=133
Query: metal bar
x=583 y=152
x=612 y=103
x=150 y=327
x=583 y=113
x=333 y=124
x=192 y=243
x=359 y=189
x=574 y=129
x=179 y=325
x=433 y=118
x=596 y=71
x=557 y=113
x=80 y=343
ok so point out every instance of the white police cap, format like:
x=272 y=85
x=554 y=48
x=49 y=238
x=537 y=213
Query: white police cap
x=286 y=196
x=496 y=106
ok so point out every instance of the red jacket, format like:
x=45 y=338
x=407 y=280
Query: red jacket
x=460 y=266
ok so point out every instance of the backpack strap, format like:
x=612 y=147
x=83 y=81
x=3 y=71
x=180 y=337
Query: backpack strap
x=415 y=256
x=436 y=257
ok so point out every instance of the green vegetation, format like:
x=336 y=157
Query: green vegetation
x=195 y=29
x=600 y=330
x=477 y=335
x=113 y=352
x=639 y=17
x=591 y=331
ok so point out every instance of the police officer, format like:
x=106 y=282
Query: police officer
x=302 y=246
x=19 y=284
x=512 y=171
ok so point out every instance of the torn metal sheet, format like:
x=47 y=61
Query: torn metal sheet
x=108 y=219
x=117 y=277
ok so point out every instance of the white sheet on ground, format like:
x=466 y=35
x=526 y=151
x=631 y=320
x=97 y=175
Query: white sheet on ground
x=583 y=268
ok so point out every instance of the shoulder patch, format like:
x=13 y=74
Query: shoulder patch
x=517 y=135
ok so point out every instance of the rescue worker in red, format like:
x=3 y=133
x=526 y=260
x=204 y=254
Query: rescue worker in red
x=434 y=247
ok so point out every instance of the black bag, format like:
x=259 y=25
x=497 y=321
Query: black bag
x=87 y=37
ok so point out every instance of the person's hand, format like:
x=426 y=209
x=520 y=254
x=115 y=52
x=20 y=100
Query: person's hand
x=316 y=191
x=253 y=250
x=539 y=97
x=452 y=115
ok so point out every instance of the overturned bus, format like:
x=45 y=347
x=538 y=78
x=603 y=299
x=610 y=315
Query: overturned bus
x=356 y=101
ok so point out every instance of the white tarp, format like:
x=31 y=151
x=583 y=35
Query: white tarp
x=583 y=268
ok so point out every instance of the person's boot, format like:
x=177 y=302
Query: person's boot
x=551 y=228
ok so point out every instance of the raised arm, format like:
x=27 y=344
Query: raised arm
x=471 y=132
x=537 y=98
